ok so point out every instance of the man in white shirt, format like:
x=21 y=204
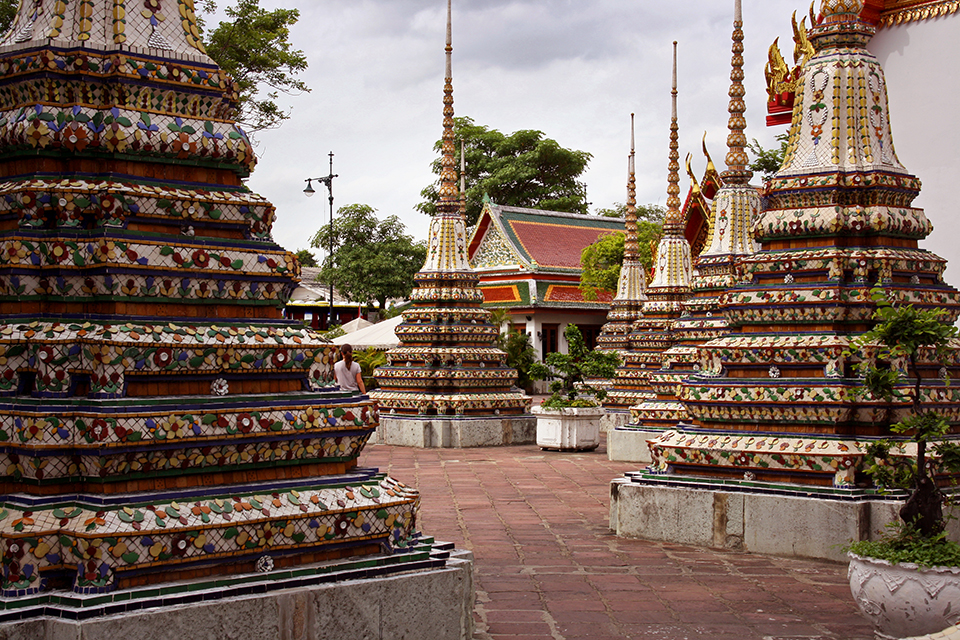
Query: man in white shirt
x=347 y=371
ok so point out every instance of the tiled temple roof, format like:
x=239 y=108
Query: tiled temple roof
x=535 y=239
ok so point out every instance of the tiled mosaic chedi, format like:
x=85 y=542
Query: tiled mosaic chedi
x=159 y=420
x=650 y=333
x=732 y=210
x=447 y=363
x=778 y=397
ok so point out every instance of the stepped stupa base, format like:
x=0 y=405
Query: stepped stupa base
x=456 y=432
x=750 y=516
x=613 y=418
x=628 y=443
x=424 y=592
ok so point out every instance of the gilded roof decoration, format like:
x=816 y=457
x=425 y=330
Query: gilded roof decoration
x=899 y=11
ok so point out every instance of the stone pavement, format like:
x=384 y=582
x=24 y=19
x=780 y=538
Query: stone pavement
x=547 y=566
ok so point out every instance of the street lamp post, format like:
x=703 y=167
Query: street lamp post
x=309 y=191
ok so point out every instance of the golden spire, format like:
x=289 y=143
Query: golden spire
x=630 y=248
x=448 y=175
x=737 y=160
x=673 y=218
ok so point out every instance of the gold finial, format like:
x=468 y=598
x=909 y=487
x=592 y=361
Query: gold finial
x=631 y=250
x=840 y=10
x=448 y=175
x=737 y=160
x=673 y=218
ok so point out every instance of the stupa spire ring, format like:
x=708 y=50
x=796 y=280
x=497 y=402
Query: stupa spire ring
x=448 y=175
x=737 y=160
x=673 y=217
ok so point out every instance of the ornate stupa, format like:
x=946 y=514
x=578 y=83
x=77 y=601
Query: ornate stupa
x=778 y=398
x=735 y=207
x=627 y=305
x=160 y=421
x=670 y=286
x=447 y=384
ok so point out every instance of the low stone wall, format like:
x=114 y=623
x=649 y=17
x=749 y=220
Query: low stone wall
x=456 y=432
x=780 y=520
x=433 y=603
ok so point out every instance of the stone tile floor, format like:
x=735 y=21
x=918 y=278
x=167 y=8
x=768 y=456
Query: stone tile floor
x=547 y=566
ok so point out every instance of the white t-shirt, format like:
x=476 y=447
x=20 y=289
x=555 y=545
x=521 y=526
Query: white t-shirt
x=347 y=379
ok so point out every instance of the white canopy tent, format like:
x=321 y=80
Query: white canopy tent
x=378 y=336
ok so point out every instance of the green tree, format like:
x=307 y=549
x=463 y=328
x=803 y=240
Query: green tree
x=253 y=47
x=520 y=355
x=523 y=169
x=767 y=161
x=601 y=261
x=306 y=258
x=373 y=259
x=649 y=212
x=8 y=9
x=569 y=370
x=900 y=333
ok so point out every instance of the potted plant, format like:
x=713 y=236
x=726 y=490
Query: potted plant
x=569 y=420
x=908 y=583
x=369 y=359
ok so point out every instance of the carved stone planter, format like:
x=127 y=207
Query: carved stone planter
x=569 y=429
x=903 y=600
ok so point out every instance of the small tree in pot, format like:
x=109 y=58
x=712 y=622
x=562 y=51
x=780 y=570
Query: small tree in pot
x=900 y=333
x=570 y=369
x=570 y=419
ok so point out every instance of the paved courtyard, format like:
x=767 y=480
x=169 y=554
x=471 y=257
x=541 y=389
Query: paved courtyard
x=547 y=566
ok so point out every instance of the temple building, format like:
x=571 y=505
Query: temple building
x=731 y=211
x=528 y=262
x=447 y=384
x=777 y=400
x=162 y=426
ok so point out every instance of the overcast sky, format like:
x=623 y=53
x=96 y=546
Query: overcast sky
x=573 y=69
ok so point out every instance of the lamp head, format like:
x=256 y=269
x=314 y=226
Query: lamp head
x=309 y=191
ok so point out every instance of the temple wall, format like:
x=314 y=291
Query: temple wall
x=924 y=91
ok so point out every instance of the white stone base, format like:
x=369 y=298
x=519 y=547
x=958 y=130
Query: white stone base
x=455 y=432
x=432 y=603
x=815 y=525
x=568 y=429
x=613 y=418
x=630 y=445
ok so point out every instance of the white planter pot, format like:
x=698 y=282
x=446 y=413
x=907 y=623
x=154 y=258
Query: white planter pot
x=903 y=600
x=570 y=429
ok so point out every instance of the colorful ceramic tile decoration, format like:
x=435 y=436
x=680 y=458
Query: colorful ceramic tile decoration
x=778 y=398
x=447 y=363
x=159 y=420
x=731 y=211
x=650 y=333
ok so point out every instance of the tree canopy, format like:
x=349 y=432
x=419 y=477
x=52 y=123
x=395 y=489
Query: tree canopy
x=523 y=169
x=601 y=261
x=8 y=9
x=372 y=259
x=254 y=48
x=767 y=161
x=306 y=258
